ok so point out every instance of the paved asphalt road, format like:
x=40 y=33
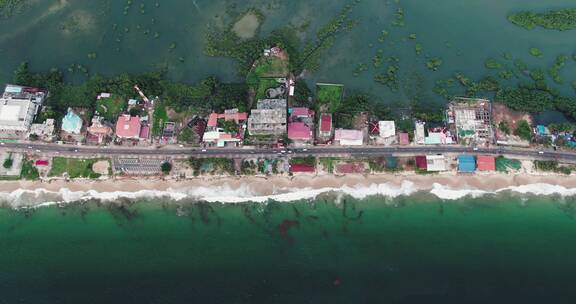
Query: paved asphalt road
x=175 y=151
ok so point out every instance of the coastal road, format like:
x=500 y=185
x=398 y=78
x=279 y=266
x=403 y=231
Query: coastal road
x=179 y=152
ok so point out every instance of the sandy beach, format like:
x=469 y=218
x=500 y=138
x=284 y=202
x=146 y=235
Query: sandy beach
x=448 y=185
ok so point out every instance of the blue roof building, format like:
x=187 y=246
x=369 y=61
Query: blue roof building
x=466 y=164
x=72 y=123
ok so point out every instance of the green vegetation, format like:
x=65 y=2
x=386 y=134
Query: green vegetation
x=491 y=63
x=111 y=107
x=523 y=130
x=302 y=56
x=564 y=19
x=308 y=160
x=303 y=96
x=536 y=52
x=166 y=167
x=525 y=99
x=390 y=78
x=9 y=8
x=504 y=164
x=29 y=171
x=329 y=95
x=74 y=168
x=8 y=163
x=504 y=127
x=211 y=165
x=555 y=69
x=160 y=118
x=418 y=48
x=551 y=166
x=434 y=63
x=328 y=163
x=265 y=84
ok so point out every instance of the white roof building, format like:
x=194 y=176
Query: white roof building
x=419 y=134
x=435 y=163
x=349 y=137
x=18 y=108
x=387 y=128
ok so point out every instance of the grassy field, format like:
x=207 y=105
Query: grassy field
x=330 y=95
x=110 y=108
x=271 y=67
x=265 y=84
x=160 y=117
x=29 y=171
x=75 y=168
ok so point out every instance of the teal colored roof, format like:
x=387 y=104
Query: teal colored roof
x=432 y=140
x=71 y=123
x=541 y=129
x=466 y=163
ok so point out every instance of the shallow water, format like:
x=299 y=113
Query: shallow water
x=463 y=33
x=406 y=250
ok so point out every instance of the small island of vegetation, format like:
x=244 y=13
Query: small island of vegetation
x=561 y=20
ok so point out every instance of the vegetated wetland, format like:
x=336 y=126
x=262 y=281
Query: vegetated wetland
x=396 y=51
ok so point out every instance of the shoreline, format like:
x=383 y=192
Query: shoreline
x=227 y=189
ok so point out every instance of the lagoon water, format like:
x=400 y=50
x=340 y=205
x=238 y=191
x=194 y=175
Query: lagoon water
x=58 y=33
x=406 y=250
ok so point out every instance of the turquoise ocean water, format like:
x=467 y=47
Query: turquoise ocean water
x=415 y=249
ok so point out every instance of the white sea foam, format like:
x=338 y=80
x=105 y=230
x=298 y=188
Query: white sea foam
x=226 y=194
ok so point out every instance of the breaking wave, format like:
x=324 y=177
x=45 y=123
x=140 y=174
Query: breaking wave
x=225 y=194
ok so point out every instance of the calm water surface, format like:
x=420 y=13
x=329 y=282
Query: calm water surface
x=462 y=33
x=408 y=250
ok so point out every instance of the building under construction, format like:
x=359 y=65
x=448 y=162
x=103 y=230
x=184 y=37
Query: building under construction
x=471 y=120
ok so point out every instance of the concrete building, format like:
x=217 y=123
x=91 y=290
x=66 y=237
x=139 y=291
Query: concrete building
x=435 y=163
x=18 y=108
x=219 y=138
x=98 y=130
x=128 y=127
x=419 y=133
x=269 y=118
x=43 y=131
x=325 y=128
x=471 y=120
x=349 y=137
x=228 y=115
x=301 y=125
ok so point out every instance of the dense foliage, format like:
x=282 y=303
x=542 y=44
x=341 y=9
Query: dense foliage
x=564 y=19
x=209 y=94
x=523 y=130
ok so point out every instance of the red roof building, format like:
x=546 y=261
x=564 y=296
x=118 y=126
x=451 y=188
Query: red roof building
x=145 y=132
x=300 y=112
x=128 y=126
x=227 y=116
x=326 y=123
x=302 y=168
x=486 y=163
x=404 y=139
x=421 y=162
x=299 y=131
